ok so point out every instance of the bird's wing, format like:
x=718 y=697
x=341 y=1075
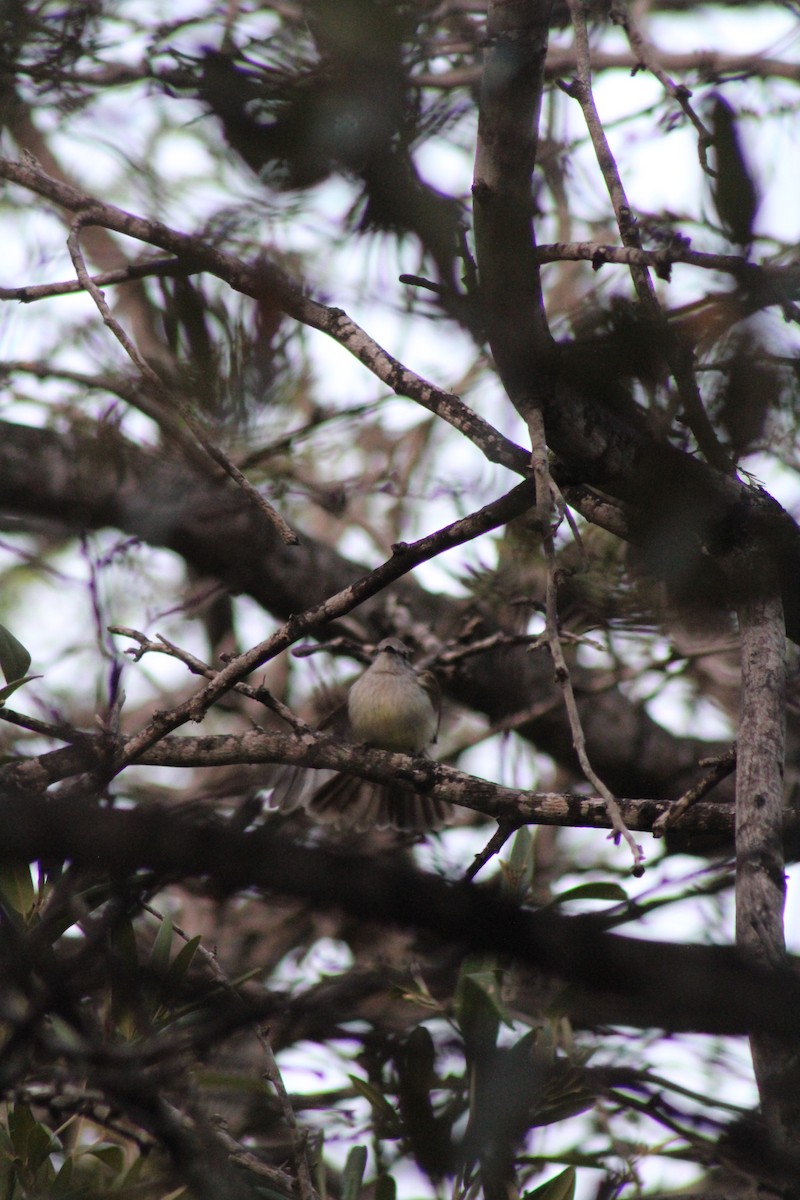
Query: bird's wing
x=431 y=685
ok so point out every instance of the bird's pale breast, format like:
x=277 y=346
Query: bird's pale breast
x=393 y=711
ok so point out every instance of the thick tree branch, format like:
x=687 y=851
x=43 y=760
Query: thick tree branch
x=510 y=288
x=679 y=361
x=89 y=753
x=82 y=482
x=703 y=988
x=760 y=879
x=264 y=280
x=710 y=520
x=404 y=559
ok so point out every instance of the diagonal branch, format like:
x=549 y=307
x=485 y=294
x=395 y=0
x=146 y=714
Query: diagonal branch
x=716 y=521
x=77 y=484
x=679 y=363
x=404 y=558
x=155 y=385
x=263 y=279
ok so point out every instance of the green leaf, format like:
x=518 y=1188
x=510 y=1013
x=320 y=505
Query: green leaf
x=112 y=1155
x=517 y=869
x=560 y=1187
x=14 y=658
x=479 y=1006
x=62 y=1184
x=385 y=1188
x=16 y=887
x=376 y=1098
x=20 y=1124
x=593 y=891
x=353 y=1174
x=10 y=688
x=180 y=965
x=162 y=948
x=41 y=1144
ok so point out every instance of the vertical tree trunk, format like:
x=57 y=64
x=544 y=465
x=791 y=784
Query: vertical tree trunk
x=760 y=879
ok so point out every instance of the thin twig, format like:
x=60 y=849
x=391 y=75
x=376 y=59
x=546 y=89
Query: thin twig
x=544 y=491
x=155 y=383
x=546 y=495
x=564 y=681
x=721 y=767
x=507 y=724
x=299 y=1138
x=59 y=731
x=271 y=1073
x=493 y=846
x=679 y=362
x=404 y=558
x=67 y=287
x=267 y=278
x=260 y=694
x=646 y=54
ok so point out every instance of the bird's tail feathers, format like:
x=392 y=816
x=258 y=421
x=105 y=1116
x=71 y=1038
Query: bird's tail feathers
x=349 y=803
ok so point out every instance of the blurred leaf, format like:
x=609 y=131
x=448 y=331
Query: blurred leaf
x=560 y=1187
x=62 y=1184
x=10 y=688
x=353 y=1173
x=180 y=965
x=124 y=943
x=380 y=1105
x=110 y=1154
x=517 y=869
x=247 y=1085
x=419 y=1060
x=91 y=898
x=33 y=1142
x=428 y=1134
x=749 y=392
x=479 y=1006
x=14 y=658
x=593 y=891
x=521 y=847
x=20 y=1124
x=70 y=1039
x=735 y=192
x=162 y=948
x=123 y=968
x=16 y=887
x=385 y=1188
x=133 y=1174
x=561 y=1108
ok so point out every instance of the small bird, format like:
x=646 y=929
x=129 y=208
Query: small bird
x=392 y=707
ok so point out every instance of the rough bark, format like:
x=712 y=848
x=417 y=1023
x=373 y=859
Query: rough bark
x=760 y=879
x=80 y=482
x=699 y=988
x=708 y=534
